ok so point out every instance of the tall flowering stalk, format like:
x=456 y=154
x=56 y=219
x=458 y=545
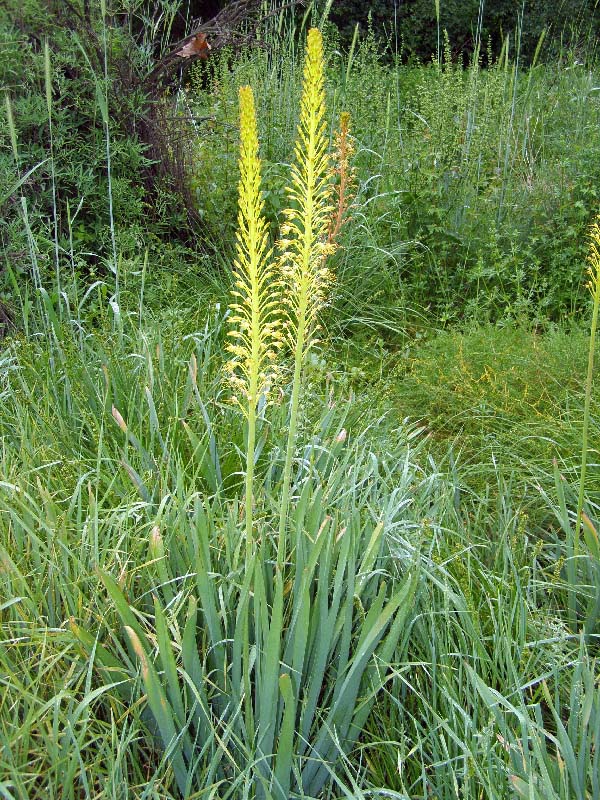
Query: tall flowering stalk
x=256 y=299
x=594 y=286
x=304 y=244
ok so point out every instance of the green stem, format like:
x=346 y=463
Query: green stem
x=252 y=401
x=250 y=479
x=291 y=439
x=586 y=420
x=574 y=554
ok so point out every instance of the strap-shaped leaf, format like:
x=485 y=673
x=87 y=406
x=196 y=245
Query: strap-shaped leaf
x=266 y=689
x=241 y=667
x=344 y=622
x=114 y=669
x=161 y=711
x=207 y=592
x=340 y=714
x=371 y=554
x=168 y=663
x=127 y=616
x=195 y=672
x=204 y=463
x=384 y=655
x=303 y=579
x=285 y=747
x=324 y=630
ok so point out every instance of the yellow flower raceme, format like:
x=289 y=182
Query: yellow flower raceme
x=594 y=286
x=304 y=244
x=594 y=257
x=255 y=326
x=277 y=298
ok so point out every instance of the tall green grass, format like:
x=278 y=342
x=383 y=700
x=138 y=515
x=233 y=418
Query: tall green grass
x=486 y=662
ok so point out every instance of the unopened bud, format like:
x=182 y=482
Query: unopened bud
x=119 y=419
x=156 y=543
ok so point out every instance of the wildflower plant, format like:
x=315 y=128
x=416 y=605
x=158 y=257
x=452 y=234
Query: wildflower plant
x=594 y=287
x=267 y=678
x=591 y=559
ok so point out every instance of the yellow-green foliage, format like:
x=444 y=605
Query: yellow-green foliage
x=255 y=325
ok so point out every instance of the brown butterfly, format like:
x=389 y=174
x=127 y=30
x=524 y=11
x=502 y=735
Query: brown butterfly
x=197 y=46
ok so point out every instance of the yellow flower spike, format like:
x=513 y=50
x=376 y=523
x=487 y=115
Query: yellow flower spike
x=254 y=323
x=304 y=246
x=307 y=220
x=594 y=256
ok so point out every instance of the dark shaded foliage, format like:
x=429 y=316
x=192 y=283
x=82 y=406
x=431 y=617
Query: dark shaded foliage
x=412 y=24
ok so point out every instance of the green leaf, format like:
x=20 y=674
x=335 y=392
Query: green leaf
x=168 y=663
x=285 y=748
x=104 y=660
x=207 y=592
x=266 y=688
x=195 y=672
x=161 y=711
x=12 y=189
x=339 y=718
x=127 y=616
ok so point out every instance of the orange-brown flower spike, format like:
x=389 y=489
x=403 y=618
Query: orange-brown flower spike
x=344 y=172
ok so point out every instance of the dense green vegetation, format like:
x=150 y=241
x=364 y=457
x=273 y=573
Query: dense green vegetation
x=405 y=605
x=414 y=26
